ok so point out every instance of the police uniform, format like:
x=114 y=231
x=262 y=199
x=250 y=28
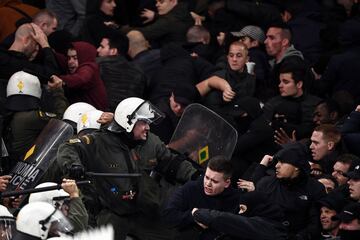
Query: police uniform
x=25 y=126
x=130 y=204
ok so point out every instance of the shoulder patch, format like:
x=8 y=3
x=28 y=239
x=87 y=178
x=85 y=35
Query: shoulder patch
x=86 y=139
x=46 y=114
x=74 y=140
x=51 y=115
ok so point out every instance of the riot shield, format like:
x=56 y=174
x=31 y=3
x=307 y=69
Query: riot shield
x=202 y=134
x=27 y=173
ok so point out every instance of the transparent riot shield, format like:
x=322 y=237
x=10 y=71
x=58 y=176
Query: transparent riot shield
x=27 y=173
x=202 y=134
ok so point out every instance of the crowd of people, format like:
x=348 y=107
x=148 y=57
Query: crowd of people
x=119 y=75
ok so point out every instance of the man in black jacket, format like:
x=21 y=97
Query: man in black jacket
x=122 y=79
x=293 y=190
x=213 y=191
x=257 y=218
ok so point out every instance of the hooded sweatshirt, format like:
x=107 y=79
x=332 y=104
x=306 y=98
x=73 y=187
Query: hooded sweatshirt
x=85 y=85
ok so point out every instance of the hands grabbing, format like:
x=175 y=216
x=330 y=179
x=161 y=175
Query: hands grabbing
x=148 y=14
x=69 y=186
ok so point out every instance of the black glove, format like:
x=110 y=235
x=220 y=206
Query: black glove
x=77 y=172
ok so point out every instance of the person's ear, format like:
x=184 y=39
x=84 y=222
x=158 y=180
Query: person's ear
x=299 y=84
x=242 y=208
x=285 y=42
x=331 y=145
x=113 y=51
x=227 y=182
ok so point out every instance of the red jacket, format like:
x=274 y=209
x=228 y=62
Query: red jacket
x=85 y=84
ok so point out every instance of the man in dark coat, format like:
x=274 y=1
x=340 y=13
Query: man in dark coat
x=172 y=23
x=213 y=191
x=122 y=79
x=293 y=189
x=257 y=218
x=83 y=80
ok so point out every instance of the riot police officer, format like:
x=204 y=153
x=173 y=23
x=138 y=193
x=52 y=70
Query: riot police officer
x=128 y=146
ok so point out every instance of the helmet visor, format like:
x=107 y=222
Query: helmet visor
x=7 y=228
x=146 y=112
x=59 y=226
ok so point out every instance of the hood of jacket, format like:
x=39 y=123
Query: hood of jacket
x=291 y=51
x=86 y=52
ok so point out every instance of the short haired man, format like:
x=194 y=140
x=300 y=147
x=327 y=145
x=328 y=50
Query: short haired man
x=173 y=108
x=278 y=45
x=122 y=78
x=213 y=191
x=344 y=163
x=325 y=146
x=291 y=89
x=45 y=19
x=327 y=111
x=242 y=83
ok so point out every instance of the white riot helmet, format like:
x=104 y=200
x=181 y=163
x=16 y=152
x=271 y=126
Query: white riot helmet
x=133 y=109
x=54 y=197
x=75 y=110
x=7 y=224
x=23 y=92
x=41 y=219
x=88 y=120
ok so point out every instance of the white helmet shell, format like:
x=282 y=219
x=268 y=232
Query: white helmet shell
x=132 y=109
x=88 y=120
x=48 y=196
x=36 y=219
x=75 y=110
x=4 y=212
x=23 y=83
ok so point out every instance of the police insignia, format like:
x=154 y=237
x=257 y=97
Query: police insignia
x=74 y=140
x=51 y=115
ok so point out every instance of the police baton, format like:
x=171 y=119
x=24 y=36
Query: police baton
x=35 y=190
x=113 y=175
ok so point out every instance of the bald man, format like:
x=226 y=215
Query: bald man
x=29 y=38
x=142 y=55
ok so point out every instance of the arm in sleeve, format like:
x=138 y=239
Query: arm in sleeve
x=82 y=78
x=78 y=215
x=68 y=154
x=352 y=123
x=177 y=213
x=155 y=30
x=233 y=224
x=60 y=102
